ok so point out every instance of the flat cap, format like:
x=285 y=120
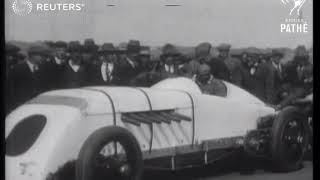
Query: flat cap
x=60 y=44
x=123 y=46
x=11 y=49
x=277 y=52
x=301 y=51
x=224 y=47
x=39 y=50
x=90 y=46
x=74 y=46
x=203 y=49
x=237 y=52
x=50 y=43
x=170 y=50
x=20 y=55
x=108 y=48
x=253 y=51
x=133 y=46
x=145 y=51
x=204 y=69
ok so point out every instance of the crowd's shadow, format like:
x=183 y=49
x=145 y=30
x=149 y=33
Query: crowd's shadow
x=219 y=168
x=241 y=165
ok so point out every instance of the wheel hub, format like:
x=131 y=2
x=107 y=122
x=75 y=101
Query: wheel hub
x=125 y=170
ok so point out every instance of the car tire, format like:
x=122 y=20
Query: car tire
x=96 y=141
x=281 y=162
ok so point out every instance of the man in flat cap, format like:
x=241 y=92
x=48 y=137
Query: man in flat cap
x=27 y=79
x=147 y=75
x=232 y=64
x=89 y=52
x=208 y=83
x=168 y=66
x=106 y=71
x=75 y=74
x=269 y=79
x=57 y=66
x=128 y=61
x=298 y=77
x=249 y=70
x=11 y=56
x=202 y=56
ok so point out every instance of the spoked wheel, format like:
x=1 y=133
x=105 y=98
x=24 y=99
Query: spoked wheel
x=110 y=153
x=289 y=140
x=294 y=140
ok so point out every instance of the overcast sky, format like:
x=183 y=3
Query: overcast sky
x=241 y=23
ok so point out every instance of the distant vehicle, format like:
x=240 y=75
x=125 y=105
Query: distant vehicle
x=108 y=132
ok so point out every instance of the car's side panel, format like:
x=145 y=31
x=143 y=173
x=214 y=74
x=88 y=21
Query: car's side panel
x=218 y=117
x=142 y=133
x=68 y=143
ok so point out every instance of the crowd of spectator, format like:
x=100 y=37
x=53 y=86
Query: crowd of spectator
x=60 y=65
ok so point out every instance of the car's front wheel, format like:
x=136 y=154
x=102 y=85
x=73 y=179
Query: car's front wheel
x=110 y=153
x=289 y=139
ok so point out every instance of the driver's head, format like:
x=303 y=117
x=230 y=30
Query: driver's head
x=204 y=73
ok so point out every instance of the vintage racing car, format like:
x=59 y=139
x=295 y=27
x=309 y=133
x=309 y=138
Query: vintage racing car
x=97 y=132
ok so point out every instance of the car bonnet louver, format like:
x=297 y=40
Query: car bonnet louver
x=149 y=117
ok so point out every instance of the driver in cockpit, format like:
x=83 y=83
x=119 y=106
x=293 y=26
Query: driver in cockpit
x=208 y=83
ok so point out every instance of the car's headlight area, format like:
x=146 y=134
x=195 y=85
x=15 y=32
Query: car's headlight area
x=265 y=122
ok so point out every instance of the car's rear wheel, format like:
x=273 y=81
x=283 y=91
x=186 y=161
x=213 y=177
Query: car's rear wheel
x=289 y=139
x=110 y=153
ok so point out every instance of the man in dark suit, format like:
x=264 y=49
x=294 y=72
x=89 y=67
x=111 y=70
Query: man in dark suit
x=202 y=55
x=75 y=74
x=128 y=61
x=27 y=79
x=168 y=66
x=298 y=77
x=89 y=53
x=219 y=66
x=269 y=78
x=57 y=66
x=106 y=71
x=145 y=77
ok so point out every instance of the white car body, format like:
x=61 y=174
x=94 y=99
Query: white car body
x=73 y=114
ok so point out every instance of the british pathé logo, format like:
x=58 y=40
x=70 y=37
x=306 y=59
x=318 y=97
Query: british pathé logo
x=22 y=7
x=295 y=23
x=296 y=5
